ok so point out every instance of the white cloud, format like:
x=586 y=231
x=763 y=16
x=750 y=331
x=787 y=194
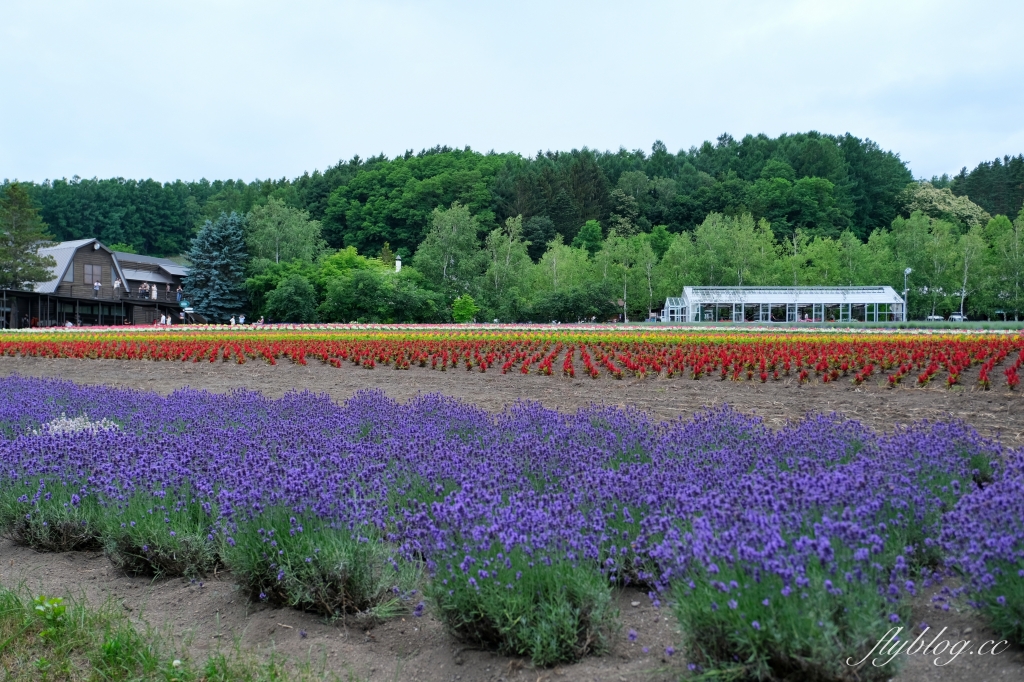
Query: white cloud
x=249 y=89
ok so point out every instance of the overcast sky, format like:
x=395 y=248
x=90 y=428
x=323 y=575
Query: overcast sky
x=271 y=89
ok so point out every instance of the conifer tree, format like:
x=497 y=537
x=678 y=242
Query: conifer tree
x=215 y=281
x=22 y=232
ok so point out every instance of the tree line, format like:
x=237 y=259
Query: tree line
x=274 y=262
x=572 y=235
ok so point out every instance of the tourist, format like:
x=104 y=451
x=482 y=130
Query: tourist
x=144 y=290
x=154 y=291
x=241 y=319
x=117 y=288
x=96 y=289
x=260 y=321
x=180 y=293
x=167 y=292
x=163 y=319
x=232 y=320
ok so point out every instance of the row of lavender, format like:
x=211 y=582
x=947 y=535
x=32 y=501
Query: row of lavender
x=777 y=550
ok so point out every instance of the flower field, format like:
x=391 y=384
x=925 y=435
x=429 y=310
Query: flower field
x=890 y=359
x=778 y=551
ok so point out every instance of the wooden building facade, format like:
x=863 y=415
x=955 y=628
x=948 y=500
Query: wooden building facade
x=93 y=285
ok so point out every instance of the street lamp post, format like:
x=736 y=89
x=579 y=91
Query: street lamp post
x=906 y=293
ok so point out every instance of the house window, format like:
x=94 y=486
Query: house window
x=93 y=273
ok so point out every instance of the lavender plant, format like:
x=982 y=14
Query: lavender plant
x=818 y=532
x=983 y=539
x=522 y=604
x=310 y=564
x=162 y=534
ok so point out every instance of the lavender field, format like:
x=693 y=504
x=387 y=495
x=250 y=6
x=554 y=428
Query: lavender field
x=778 y=551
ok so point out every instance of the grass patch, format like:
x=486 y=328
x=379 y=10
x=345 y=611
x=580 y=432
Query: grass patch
x=551 y=611
x=302 y=562
x=50 y=638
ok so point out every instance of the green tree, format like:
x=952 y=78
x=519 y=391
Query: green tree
x=928 y=247
x=387 y=256
x=970 y=264
x=508 y=261
x=583 y=303
x=646 y=262
x=1007 y=256
x=538 y=231
x=394 y=200
x=589 y=237
x=794 y=258
x=943 y=204
x=275 y=232
x=622 y=255
x=259 y=286
x=712 y=246
x=121 y=247
x=824 y=262
x=343 y=262
x=561 y=267
x=464 y=309
x=294 y=300
x=380 y=296
x=450 y=257
x=677 y=268
x=215 y=281
x=660 y=240
x=22 y=233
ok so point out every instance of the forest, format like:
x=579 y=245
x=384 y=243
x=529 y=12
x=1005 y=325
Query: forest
x=574 y=235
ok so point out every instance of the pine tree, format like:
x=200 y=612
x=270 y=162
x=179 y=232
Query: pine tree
x=215 y=280
x=22 y=232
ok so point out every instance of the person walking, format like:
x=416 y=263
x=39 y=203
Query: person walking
x=232 y=320
x=241 y=319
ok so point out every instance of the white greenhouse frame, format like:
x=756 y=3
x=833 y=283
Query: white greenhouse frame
x=785 y=304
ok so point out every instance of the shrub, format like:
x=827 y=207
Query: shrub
x=552 y=611
x=464 y=309
x=754 y=627
x=154 y=535
x=49 y=516
x=302 y=562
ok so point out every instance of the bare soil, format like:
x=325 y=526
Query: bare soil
x=217 y=615
x=995 y=413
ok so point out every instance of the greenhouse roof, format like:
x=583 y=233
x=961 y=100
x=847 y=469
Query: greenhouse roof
x=782 y=295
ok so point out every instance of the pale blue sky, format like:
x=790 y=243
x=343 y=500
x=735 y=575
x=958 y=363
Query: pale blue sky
x=270 y=89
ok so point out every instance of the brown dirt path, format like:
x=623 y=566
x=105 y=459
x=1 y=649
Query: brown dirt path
x=995 y=412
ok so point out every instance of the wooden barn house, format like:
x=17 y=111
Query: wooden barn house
x=83 y=292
